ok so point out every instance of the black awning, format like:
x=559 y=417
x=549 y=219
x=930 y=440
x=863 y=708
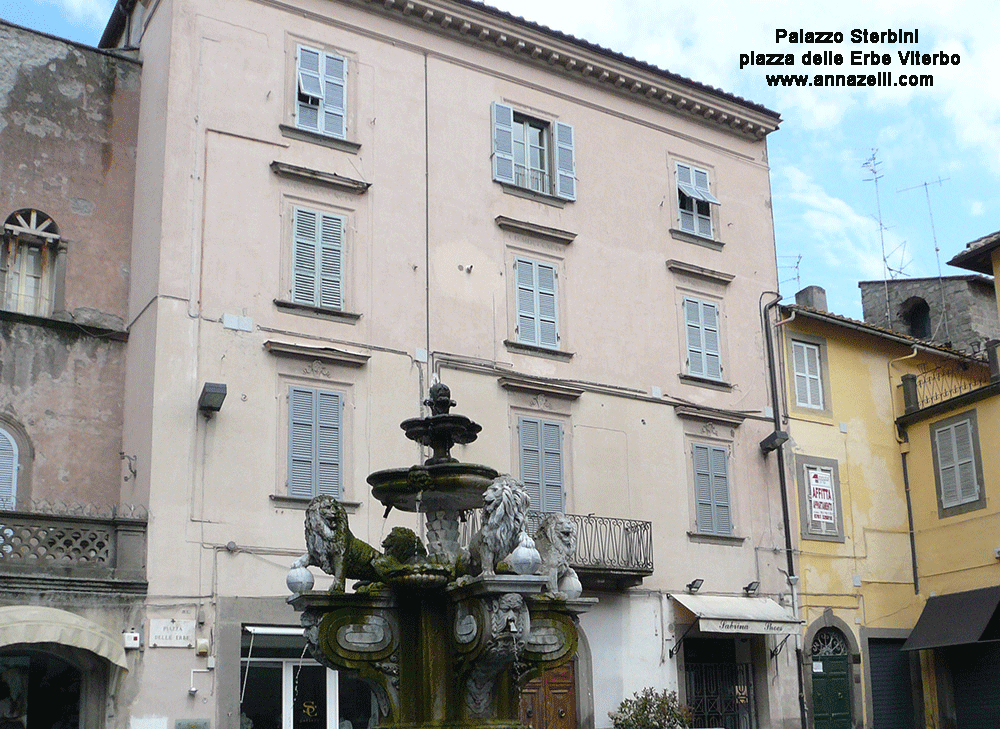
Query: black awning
x=956 y=619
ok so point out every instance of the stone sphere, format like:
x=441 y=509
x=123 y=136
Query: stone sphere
x=300 y=580
x=571 y=586
x=525 y=559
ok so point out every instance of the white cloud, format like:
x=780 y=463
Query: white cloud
x=92 y=13
x=976 y=208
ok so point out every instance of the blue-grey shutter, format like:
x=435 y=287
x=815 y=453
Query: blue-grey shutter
x=330 y=264
x=334 y=95
x=692 y=328
x=548 y=330
x=801 y=375
x=310 y=89
x=710 y=338
x=527 y=313
x=720 y=491
x=552 y=467
x=701 y=187
x=304 y=247
x=503 y=143
x=704 y=513
x=8 y=472
x=301 y=442
x=965 y=460
x=565 y=162
x=314 y=442
x=530 y=446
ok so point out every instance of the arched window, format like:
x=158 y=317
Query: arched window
x=27 y=262
x=8 y=471
x=830 y=642
x=916 y=314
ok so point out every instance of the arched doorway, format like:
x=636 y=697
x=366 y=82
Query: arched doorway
x=40 y=689
x=831 y=679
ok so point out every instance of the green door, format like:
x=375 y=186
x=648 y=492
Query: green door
x=831 y=692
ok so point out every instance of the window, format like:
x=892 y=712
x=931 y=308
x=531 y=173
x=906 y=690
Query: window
x=281 y=689
x=808 y=377
x=701 y=321
x=540 y=445
x=8 y=471
x=26 y=262
x=711 y=487
x=321 y=92
x=537 y=321
x=314 y=442
x=694 y=200
x=819 y=498
x=957 y=464
x=317 y=259
x=533 y=154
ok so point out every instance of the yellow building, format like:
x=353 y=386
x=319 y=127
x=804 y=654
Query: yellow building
x=954 y=474
x=845 y=467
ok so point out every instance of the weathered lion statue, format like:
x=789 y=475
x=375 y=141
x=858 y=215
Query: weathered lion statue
x=333 y=548
x=504 y=512
x=555 y=541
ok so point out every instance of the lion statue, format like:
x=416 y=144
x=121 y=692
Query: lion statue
x=504 y=512
x=333 y=548
x=404 y=546
x=555 y=541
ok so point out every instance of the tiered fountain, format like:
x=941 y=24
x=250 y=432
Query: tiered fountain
x=446 y=635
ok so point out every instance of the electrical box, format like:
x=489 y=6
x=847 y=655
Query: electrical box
x=131 y=641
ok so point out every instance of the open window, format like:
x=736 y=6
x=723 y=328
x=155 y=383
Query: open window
x=533 y=154
x=28 y=262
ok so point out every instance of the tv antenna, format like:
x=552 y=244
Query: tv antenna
x=872 y=164
x=792 y=266
x=937 y=251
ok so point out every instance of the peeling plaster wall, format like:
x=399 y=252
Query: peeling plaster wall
x=68 y=124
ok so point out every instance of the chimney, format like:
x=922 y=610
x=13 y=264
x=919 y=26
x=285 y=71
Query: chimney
x=813 y=297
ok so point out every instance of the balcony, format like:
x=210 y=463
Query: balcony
x=74 y=548
x=611 y=554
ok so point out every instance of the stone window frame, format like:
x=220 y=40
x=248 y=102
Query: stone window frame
x=802 y=463
x=824 y=371
x=978 y=503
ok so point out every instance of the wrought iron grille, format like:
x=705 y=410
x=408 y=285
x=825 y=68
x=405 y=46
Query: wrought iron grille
x=720 y=695
x=601 y=542
x=947 y=381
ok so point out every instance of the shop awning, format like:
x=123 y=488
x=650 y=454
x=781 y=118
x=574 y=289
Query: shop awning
x=956 y=619
x=34 y=624
x=717 y=614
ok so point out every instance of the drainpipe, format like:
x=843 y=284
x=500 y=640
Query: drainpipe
x=783 y=484
x=910 y=403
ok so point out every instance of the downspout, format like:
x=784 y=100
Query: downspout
x=903 y=451
x=783 y=485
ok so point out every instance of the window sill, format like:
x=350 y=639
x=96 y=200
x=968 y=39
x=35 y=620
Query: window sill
x=716 y=539
x=838 y=538
x=705 y=382
x=63 y=321
x=945 y=511
x=304 y=135
x=538 y=351
x=298 y=503
x=529 y=194
x=716 y=245
x=319 y=312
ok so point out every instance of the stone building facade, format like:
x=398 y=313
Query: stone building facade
x=957 y=311
x=72 y=553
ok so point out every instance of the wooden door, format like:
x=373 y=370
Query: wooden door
x=549 y=702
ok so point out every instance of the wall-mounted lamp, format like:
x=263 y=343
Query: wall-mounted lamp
x=751 y=588
x=213 y=394
x=774 y=441
x=694 y=585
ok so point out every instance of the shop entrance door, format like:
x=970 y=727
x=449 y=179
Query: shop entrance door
x=831 y=680
x=719 y=690
x=549 y=702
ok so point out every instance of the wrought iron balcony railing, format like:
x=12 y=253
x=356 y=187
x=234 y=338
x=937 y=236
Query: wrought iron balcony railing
x=74 y=545
x=937 y=384
x=610 y=553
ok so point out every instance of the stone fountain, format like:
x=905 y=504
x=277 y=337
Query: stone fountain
x=445 y=635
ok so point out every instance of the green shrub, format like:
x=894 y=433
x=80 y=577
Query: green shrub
x=651 y=710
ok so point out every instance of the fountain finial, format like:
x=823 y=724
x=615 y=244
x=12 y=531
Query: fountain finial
x=439 y=400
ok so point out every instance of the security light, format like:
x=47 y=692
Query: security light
x=213 y=394
x=694 y=585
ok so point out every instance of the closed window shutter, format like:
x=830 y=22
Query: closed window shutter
x=314 y=442
x=692 y=323
x=548 y=332
x=720 y=491
x=968 y=483
x=530 y=441
x=330 y=263
x=565 y=162
x=304 y=249
x=710 y=337
x=813 y=373
x=711 y=485
x=701 y=322
x=947 y=466
x=808 y=377
x=704 y=511
x=503 y=143
x=552 y=467
x=310 y=89
x=527 y=313
x=334 y=95
x=8 y=472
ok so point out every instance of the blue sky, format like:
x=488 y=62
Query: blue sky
x=823 y=198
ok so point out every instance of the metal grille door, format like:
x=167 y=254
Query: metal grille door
x=721 y=695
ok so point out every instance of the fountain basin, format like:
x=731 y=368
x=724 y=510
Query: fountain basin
x=450 y=487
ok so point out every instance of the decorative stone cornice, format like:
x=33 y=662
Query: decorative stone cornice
x=708 y=274
x=318 y=177
x=537 y=386
x=477 y=23
x=322 y=354
x=535 y=231
x=722 y=417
